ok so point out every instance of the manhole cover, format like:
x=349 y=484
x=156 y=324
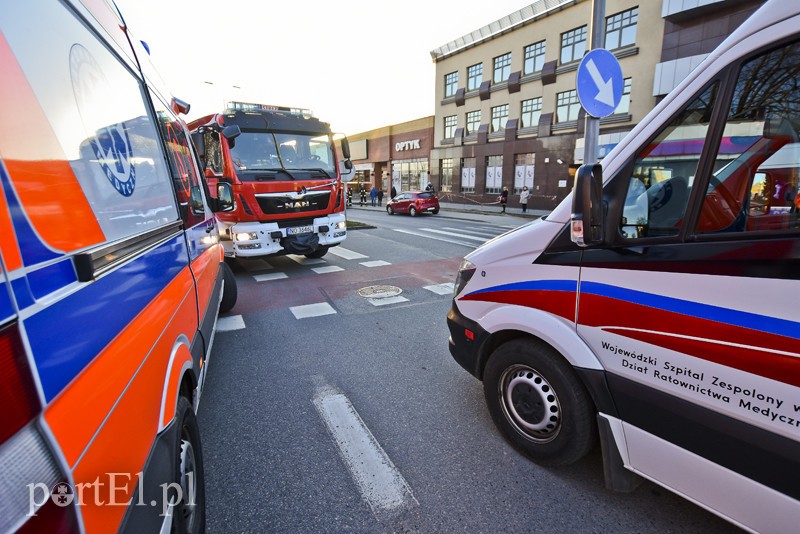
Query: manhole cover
x=379 y=292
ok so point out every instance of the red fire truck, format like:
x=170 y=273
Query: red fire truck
x=283 y=167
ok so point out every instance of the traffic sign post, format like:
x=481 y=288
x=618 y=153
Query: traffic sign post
x=592 y=129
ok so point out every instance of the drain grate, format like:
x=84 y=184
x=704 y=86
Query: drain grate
x=379 y=292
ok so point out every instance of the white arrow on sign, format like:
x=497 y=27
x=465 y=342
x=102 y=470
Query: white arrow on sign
x=605 y=89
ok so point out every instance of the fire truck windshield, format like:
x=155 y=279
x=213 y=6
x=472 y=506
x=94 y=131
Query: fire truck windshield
x=263 y=151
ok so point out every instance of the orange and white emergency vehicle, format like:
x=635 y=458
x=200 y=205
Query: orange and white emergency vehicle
x=282 y=164
x=656 y=308
x=111 y=279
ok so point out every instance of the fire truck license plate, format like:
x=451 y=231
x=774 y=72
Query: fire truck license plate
x=300 y=230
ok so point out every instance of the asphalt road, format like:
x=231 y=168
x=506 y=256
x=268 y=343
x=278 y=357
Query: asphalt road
x=326 y=411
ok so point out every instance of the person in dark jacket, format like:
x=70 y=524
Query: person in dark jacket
x=504 y=198
x=380 y=197
x=394 y=192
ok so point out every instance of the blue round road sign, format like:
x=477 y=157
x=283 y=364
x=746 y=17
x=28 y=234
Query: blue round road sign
x=599 y=83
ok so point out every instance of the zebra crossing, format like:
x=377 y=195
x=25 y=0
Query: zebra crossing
x=275 y=269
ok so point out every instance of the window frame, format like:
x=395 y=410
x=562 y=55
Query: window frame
x=450 y=129
x=574 y=101
x=571 y=36
x=501 y=65
x=474 y=72
x=531 y=112
x=619 y=19
x=497 y=117
x=450 y=84
x=534 y=57
x=472 y=115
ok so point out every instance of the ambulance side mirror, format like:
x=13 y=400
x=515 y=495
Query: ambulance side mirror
x=587 y=206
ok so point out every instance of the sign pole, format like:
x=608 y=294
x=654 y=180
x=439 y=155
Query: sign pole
x=592 y=129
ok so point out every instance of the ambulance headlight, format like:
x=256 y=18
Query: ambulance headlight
x=465 y=272
x=246 y=236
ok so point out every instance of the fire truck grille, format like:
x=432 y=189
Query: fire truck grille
x=281 y=205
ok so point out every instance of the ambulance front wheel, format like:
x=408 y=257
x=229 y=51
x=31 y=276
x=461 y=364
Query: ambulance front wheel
x=189 y=510
x=538 y=403
x=230 y=292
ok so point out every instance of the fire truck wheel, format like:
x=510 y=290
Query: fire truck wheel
x=230 y=292
x=189 y=513
x=321 y=251
x=538 y=402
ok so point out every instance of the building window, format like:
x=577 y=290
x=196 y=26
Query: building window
x=531 y=109
x=567 y=106
x=450 y=84
x=450 y=127
x=523 y=172
x=499 y=117
x=474 y=77
x=494 y=174
x=468 y=175
x=446 y=173
x=573 y=45
x=621 y=29
x=534 y=57
x=473 y=121
x=625 y=102
x=502 y=68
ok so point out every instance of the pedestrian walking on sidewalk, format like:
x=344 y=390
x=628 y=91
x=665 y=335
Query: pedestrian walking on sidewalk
x=523 y=198
x=373 y=195
x=504 y=198
x=394 y=192
x=380 y=197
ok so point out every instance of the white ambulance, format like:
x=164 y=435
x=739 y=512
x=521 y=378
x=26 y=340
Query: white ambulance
x=658 y=307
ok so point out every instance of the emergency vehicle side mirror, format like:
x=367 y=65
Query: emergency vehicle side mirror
x=200 y=148
x=345 y=148
x=230 y=133
x=224 y=200
x=587 y=207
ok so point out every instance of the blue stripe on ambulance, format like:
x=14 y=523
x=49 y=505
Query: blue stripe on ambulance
x=51 y=278
x=719 y=314
x=67 y=335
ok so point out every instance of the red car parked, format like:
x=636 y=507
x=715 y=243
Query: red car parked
x=413 y=202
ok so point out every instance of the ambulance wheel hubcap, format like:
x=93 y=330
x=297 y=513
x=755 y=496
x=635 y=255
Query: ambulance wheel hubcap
x=530 y=403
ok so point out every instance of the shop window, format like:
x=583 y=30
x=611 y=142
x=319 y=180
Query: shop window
x=523 y=172
x=468 y=175
x=446 y=174
x=494 y=174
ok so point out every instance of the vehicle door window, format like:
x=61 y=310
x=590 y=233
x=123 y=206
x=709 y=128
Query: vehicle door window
x=182 y=164
x=754 y=182
x=213 y=149
x=663 y=173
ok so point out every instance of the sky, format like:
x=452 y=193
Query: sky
x=357 y=64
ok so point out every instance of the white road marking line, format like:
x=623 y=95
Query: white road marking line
x=378 y=480
x=327 y=269
x=375 y=263
x=470 y=245
x=312 y=310
x=440 y=289
x=386 y=300
x=346 y=253
x=472 y=231
x=255 y=265
x=464 y=236
x=232 y=322
x=302 y=260
x=270 y=276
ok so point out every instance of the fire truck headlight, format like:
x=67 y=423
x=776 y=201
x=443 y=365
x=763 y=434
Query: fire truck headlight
x=341 y=225
x=246 y=236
